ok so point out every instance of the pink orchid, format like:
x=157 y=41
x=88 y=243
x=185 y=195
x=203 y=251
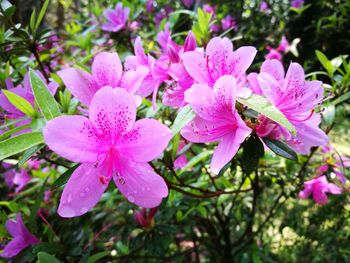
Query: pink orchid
x=108 y=145
x=319 y=188
x=228 y=22
x=296 y=98
x=107 y=70
x=117 y=18
x=217 y=119
x=219 y=60
x=22 y=238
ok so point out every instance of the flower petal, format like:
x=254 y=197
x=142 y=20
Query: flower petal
x=147 y=134
x=200 y=130
x=269 y=87
x=274 y=68
x=295 y=77
x=82 y=191
x=113 y=112
x=240 y=61
x=140 y=184
x=73 y=137
x=107 y=69
x=225 y=92
x=229 y=146
x=79 y=83
x=132 y=79
x=14 y=247
x=196 y=66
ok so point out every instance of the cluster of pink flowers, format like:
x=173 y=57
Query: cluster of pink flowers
x=107 y=142
x=333 y=166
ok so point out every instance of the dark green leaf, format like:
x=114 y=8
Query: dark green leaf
x=253 y=150
x=280 y=149
x=46 y=258
x=97 y=256
x=41 y=14
x=29 y=153
x=62 y=180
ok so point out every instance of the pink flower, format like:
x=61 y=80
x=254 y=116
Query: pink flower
x=296 y=98
x=264 y=7
x=145 y=217
x=297 y=3
x=187 y=3
x=335 y=164
x=228 y=22
x=180 y=161
x=107 y=70
x=157 y=70
x=319 y=188
x=181 y=80
x=22 y=238
x=21 y=179
x=273 y=54
x=214 y=27
x=284 y=45
x=219 y=60
x=217 y=119
x=108 y=145
x=149 y=6
x=117 y=18
x=209 y=9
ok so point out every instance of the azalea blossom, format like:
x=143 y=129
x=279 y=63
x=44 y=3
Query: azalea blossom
x=107 y=70
x=108 y=145
x=318 y=188
x=228 y=22
x=273 y=54
x=181 y=80
x=22 y=238
x=217 y=119
x=117 y=18
x=220 y=60
x=284 y=45
x=296 y=98
x=333 y=164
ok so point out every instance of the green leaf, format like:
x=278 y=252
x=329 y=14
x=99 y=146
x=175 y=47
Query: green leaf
x=198 y=158
x=44 y=257
x=341 y=99
x=43 y=97
x=325 y=62
x=41 y=14
x=280 y=149
x=19 y=144
x=328 y=114
x=29 y=153
x=32 y=20
x=7 y=134
x=261 y=105
x=63 y=179
x=12 y=122
x=183 y=117
x=20 y=103
x=253 y=150
x=94 y=258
